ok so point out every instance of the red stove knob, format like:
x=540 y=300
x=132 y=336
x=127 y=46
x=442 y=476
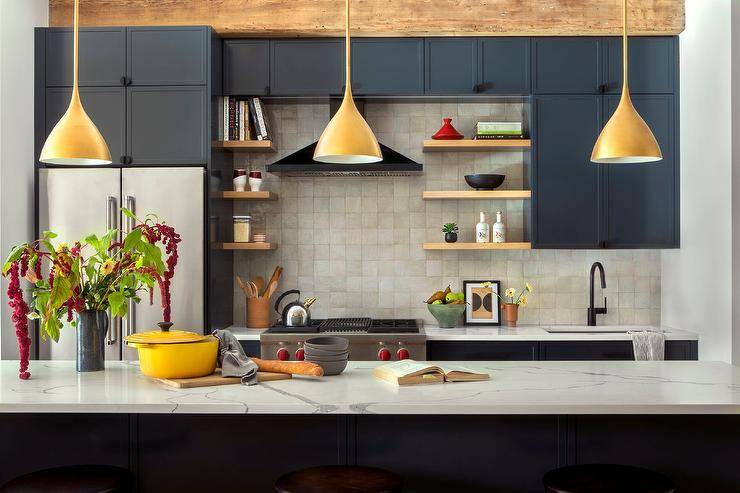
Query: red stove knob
x=300 y=354
x=384 y=354
x=403 y=353
x=283 y=354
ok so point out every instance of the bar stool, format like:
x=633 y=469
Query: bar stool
x=339 y=479
x=606 y=478
x=72 y=479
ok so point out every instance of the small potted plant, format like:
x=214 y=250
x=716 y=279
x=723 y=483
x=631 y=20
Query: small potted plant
x=450 y=231
x=512 y=301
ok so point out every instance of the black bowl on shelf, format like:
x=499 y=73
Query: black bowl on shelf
x=484 y=181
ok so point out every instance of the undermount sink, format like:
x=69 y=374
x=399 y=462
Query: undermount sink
x=585 y=329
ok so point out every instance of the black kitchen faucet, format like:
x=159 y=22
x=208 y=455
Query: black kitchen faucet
x=592 y=312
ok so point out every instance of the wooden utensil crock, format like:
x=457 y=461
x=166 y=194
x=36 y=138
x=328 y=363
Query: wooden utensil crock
x=258 y=313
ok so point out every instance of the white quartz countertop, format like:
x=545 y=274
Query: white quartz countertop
x=522 y=333
x=621 y=387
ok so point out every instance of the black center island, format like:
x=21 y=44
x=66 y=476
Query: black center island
x=679 y=418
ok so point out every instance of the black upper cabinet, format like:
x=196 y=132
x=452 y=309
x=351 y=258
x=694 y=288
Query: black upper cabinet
x=452 y=65
x=247 y=67
x=566 y=65
x=642 y=199
x=167 y=125
x=566 y=185
x=102 y=56
x=167 y=55
x=387 y=66
x=653 y=64
x=504 y=66
x=306 y=67
x=106 y=106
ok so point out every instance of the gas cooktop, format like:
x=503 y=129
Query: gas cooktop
x=351 y=326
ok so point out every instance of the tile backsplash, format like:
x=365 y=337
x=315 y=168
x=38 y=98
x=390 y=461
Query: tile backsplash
x=356 y=243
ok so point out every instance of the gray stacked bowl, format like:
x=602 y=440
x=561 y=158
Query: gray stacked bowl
x=329 y=352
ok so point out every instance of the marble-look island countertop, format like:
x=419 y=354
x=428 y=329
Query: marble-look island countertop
x=621 y=387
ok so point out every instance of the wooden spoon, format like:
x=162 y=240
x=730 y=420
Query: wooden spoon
x=259 y=281
x=272 y=285
x=244 y=287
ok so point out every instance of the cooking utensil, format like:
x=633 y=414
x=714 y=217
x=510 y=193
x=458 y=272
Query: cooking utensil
x=294 y=314
x=259 y=281
x=484 y=181
x=247 y=289
x=309 y=301
x=272 y=285
x=169 y=353
x=218 y=379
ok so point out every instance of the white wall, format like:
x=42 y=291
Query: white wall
x=736 y=182
x=696 y=279
x=17 y=20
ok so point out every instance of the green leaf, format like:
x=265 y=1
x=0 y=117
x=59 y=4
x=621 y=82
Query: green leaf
x=133 y=240
x=51 y=327
x=13 y=256
x=60 y=292
x=49 y=234
x=128 y=213
x=33 y=316
x=117 y=303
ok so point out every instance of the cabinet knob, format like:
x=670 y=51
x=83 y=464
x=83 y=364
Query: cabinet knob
x=603 y=88
x=125 y=81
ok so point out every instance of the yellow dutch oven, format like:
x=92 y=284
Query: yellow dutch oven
x=175 y=353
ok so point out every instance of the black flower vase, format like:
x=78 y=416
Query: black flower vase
x=92 y=326
x=450 y=237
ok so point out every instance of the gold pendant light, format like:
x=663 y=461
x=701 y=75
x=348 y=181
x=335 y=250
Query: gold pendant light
x=75 y=140
x=347 y=139
x=626 y=138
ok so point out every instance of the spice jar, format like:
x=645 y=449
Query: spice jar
x=242 y=229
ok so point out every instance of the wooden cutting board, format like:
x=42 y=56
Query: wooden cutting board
x=217 y=379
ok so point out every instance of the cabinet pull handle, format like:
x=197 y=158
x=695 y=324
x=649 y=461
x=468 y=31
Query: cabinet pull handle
x=603 y=88
x=130 y=203
x=111 y=214
x=123 y=159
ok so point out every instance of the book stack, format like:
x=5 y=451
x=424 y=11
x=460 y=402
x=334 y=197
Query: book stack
x=242 y=119
x=498 y=130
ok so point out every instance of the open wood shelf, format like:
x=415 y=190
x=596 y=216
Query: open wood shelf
x=477 y=194
x=245 y=145
x=477 y=145
x=244 y=246
x=261 y=195
x=478 y=246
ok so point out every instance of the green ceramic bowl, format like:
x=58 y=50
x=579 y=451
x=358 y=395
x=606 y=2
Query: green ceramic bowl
x=446 y=315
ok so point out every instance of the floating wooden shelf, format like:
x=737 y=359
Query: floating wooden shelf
x=477 y=195
x=244 y=246
x=477 y=246
x=477 y=145
x=262 y=195
x=245 y=145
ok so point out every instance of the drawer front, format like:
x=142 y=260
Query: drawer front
x=481 y=351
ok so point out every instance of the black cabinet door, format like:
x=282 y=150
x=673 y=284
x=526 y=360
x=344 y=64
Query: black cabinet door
x=102 y=56
x=642 y=199
x=451 y=65
x=586 y=351
x=388 y=66
x=167 y=55
x=167 y=125
x=481 y=351
x=300 y=67
x=246 y=67
x=566 y=197
x=504 y=65
x=566 y=65
x=652 y=60
x=106 y=106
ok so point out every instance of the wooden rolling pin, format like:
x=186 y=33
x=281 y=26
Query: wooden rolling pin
x=292 y=367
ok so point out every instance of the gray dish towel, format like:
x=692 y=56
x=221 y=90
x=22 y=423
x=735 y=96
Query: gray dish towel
x=232 y=359
x=648 y=345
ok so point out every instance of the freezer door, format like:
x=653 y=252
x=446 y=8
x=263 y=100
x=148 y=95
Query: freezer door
x=75 y=203
x=176 y=195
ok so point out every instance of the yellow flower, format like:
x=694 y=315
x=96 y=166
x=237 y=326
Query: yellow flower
x=63 y=247
x=528 y=287
x=107 y=267
x=510 y=292
x=523 y=301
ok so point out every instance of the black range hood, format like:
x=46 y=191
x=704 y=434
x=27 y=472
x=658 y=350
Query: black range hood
x=301 y=163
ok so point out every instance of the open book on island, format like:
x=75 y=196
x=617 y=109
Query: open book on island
x=410 y=372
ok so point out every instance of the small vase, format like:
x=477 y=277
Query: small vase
x=450 y=237
x=511 y=314
x=92 y=326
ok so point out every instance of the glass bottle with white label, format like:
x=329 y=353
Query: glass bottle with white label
x=482 y=230
x=499 y=229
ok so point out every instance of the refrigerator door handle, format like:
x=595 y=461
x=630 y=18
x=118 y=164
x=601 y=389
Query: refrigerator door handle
x=130 y=319
x=111 y=223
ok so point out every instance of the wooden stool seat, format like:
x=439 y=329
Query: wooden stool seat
x=339 y=479
x=72 y=479
x=606 y=478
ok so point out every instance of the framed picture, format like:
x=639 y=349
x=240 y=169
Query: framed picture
x=482 y=304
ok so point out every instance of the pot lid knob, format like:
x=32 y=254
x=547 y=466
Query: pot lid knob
x=165 y=326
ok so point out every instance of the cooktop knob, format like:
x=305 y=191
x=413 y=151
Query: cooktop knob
x=300 y=354
x=403 y=353
x=283 y=354
x=384 y=354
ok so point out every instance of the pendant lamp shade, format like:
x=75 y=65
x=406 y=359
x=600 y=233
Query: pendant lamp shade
x=75 y=140
x=347 y=139
x=626 y=138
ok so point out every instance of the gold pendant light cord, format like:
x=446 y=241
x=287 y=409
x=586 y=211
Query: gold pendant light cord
x=625 y=55
x=348 y=50
x=76 y=36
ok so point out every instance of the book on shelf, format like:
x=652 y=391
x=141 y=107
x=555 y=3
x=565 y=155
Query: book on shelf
x=259 y=117
x=410 y=372
x=234 y=119
x=497 y=136
x=498 y=127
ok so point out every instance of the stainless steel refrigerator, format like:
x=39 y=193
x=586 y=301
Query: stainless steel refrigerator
x=76 y=202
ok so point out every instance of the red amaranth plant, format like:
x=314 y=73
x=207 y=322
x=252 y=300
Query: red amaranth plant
x=165 y=234
x=20 y=318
